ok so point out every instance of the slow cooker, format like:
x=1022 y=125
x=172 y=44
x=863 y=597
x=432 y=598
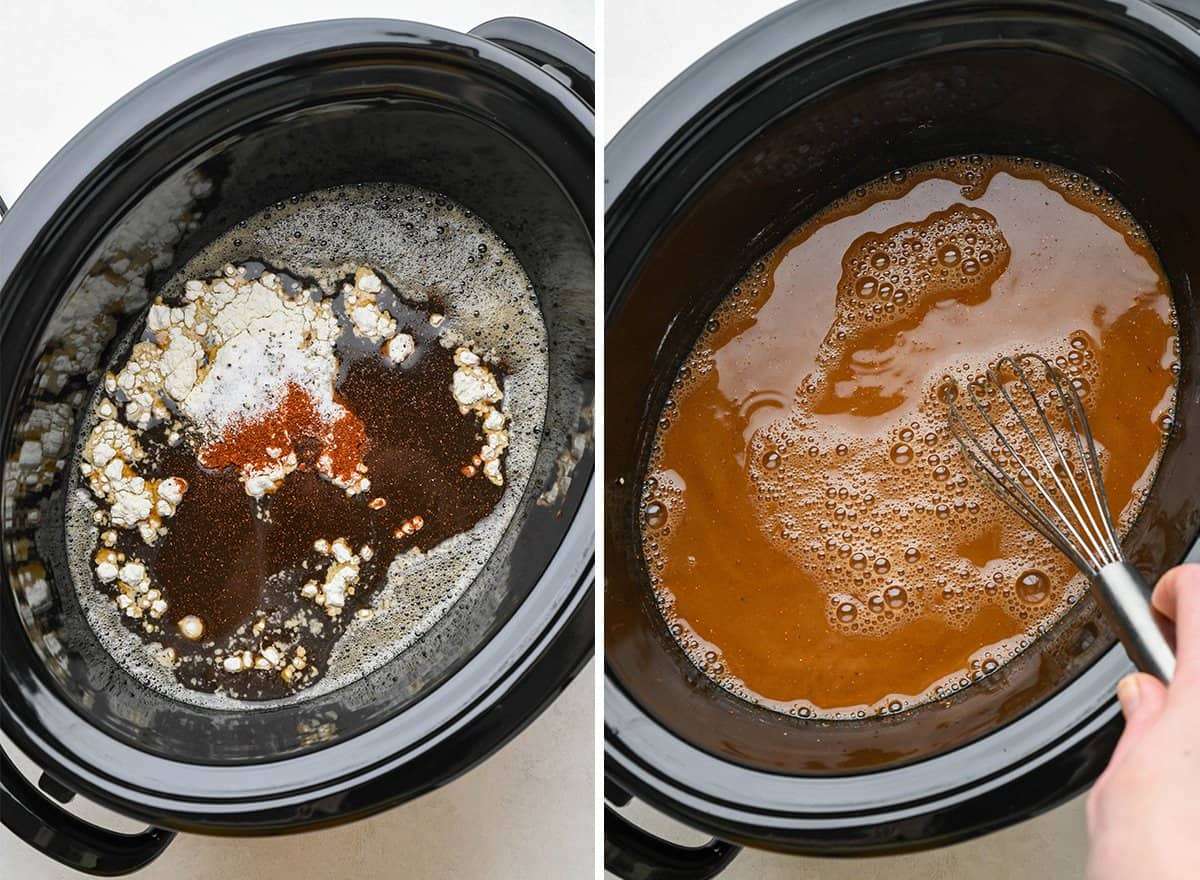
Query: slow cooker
x=499 y=120
x=802 y=107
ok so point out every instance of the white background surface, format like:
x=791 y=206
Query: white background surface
x=527 y=812
x=646 y=44
x=63 y=61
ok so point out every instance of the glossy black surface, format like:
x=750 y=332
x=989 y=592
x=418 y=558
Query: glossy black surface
x=630 y=852
x=264 y=118
x=70 y=840
x=570 y=61
x=800 y=108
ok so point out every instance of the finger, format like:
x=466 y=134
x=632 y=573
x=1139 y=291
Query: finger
x=1143 y=698
x=1177 y=596
x=1165 y=594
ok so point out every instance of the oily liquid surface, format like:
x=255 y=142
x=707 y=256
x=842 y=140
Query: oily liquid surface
x=230 y=565
x=813 y=537
x=241 y=564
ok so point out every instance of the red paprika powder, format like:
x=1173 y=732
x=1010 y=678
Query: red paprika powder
x=333 y=447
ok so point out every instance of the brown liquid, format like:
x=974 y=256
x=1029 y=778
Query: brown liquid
x=813 y=537
x=230 y=567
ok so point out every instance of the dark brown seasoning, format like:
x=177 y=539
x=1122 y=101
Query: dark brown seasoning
x=231 y=567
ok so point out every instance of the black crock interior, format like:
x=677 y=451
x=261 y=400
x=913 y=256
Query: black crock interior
x=372 y=114
x=792 y=150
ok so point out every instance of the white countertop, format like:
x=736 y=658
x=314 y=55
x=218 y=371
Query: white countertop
x=62 y=62
x=528 y=811
x=646 y=45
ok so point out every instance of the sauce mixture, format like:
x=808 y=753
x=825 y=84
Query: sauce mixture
x=288 y=474
x=813 y=537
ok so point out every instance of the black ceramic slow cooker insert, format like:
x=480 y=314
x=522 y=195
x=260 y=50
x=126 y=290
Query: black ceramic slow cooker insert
x=499 y=120
x=758 y=135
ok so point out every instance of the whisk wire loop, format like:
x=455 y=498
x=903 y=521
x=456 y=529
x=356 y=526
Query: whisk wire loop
x=1091 y=531
x=1080 y=525
x=1085 y=446
x=1082 y=433
x=1044 y=487
x=1088 y=548
x=1008 y=490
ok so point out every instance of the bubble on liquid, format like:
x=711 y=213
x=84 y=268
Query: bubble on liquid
x=901 y=453
x=655 y=514
x=846 y=612
x=1033 y=587
x=949 y=255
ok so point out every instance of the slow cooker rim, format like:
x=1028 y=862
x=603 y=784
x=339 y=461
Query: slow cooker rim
x=553 y=624
x=288 y=794
x=238 y=58
x=707 y=82
x=647 y=760
x=632 y=162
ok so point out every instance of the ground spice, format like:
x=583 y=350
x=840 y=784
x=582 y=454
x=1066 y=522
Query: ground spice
x=296 y=427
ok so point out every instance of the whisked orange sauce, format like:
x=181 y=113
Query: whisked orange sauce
x=812 y=534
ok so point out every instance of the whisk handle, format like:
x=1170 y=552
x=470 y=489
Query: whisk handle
x=1125 y=596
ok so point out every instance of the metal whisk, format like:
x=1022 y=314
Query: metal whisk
x=1050 y=475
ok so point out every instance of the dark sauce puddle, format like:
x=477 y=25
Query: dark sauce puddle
x=223 y=563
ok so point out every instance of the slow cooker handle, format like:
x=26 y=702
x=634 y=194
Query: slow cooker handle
x=68 y=839
x=634 y=854
x=566 y=59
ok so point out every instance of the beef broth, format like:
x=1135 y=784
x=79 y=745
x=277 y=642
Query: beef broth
x=811 y=533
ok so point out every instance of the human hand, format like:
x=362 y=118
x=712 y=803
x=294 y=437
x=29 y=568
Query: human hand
x=1144 y=812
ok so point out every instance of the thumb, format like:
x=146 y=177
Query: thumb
x=1143 y=698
